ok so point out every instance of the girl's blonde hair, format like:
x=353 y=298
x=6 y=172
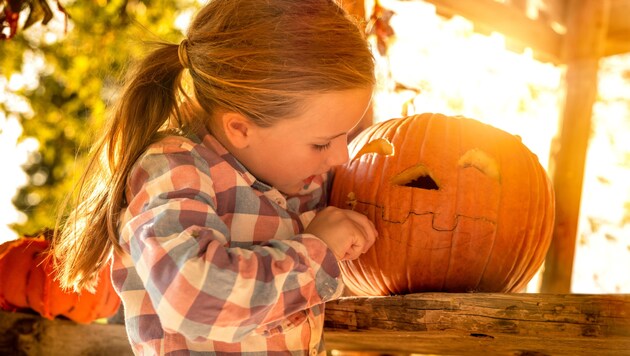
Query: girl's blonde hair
x=260 y=58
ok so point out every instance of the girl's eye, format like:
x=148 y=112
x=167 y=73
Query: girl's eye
x=321 y=147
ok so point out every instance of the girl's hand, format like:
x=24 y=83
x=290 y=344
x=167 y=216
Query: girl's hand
x=347 y=233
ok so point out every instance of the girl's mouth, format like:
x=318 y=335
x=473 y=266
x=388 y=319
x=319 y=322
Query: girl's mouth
x=308 y=180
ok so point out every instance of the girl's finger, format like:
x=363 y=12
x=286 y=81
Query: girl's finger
x=365 y=226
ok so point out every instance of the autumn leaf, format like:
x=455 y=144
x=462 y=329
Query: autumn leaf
x=379 y=26
x=38 y=11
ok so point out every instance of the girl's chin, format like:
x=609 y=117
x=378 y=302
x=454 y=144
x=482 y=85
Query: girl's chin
x=296 y=188
x=288 y=190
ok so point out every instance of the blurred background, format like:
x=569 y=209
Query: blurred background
x=63 y=65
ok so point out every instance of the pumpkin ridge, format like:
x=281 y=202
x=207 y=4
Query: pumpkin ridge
x=33 y=285
x=490 y=254
x=521 y=246
x=29 y=273
x=524 y=247
x=498 y=204
x=540 y=244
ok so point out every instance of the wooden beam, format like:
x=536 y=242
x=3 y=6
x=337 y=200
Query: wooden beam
x=617 y=44
x=481 y=323
x=584 y=47
x=618 y=36
x=29 y=334
x=491 y=15
x=429 y=323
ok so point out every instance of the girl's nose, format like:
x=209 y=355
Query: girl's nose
x=339 y=152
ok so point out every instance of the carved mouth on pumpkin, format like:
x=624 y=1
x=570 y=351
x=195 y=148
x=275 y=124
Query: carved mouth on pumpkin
x=436 y=238
x=353 y=203
x=356 y=205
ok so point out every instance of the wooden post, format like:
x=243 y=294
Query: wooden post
x=587 y=22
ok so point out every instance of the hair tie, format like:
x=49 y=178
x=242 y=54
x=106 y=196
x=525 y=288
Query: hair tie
x=182 y=53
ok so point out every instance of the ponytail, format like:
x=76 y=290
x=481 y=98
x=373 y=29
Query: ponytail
x=82 y=243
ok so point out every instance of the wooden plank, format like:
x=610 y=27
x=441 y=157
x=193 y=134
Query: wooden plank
x=584 y=46
x=435 y=323
x=618 y=36
x=461 y=343
x=476 y=323
x=28 y=334
x=617 y=44
x=490 y=15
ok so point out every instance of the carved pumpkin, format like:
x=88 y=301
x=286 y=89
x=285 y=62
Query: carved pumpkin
x=459 y=206
x=27 y=282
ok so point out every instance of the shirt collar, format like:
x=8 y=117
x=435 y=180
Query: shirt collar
x=208 y=140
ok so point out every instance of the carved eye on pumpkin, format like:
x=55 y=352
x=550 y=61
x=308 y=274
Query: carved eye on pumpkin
x=417 y=176
x=380 y=146
x=480 y=160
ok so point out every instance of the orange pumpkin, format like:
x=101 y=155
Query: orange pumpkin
x=27 y=282
x=459 y=206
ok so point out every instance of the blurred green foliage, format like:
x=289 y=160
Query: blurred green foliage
x=83 y=70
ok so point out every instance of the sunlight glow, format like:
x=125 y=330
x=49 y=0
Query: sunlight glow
x=602 y=258
x=13 y=156
x=15 y=149
x=446 y=67
x=441 y=65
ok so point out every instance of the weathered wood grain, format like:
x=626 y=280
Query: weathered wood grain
x=29 y=334
x=476 y=323
x=426 y=323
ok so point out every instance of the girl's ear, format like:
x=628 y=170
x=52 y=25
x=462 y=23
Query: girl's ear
x=237 y=128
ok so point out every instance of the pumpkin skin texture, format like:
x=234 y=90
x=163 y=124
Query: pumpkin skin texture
x=27 y=282
x=460 y=206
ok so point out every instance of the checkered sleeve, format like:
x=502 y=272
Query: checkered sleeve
x=198 y=283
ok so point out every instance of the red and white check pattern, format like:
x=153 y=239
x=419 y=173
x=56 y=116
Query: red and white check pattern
x=214 y=261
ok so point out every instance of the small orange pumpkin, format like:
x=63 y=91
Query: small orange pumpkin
x=459 y=206
x=27 y=282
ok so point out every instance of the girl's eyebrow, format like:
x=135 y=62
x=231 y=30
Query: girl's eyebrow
x=331 y=137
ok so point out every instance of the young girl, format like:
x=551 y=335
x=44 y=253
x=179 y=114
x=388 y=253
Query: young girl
x=212 y=205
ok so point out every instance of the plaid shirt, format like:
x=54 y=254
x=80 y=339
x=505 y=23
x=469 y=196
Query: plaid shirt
x=214 y=260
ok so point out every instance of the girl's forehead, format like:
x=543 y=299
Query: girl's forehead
x=342 y=103
x=333 y=114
